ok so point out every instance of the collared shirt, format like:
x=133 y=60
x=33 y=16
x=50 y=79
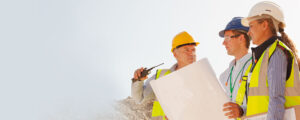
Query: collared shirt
x=143 y=93
x=257 y=51
x=238 y=71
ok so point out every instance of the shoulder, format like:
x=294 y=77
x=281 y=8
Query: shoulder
x=278 y=58
x=245 y=58
x=223 y=76
x=279 y=54
x=248 y=55
x=248 y=58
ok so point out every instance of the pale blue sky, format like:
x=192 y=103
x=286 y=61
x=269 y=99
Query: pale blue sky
x=70 y=59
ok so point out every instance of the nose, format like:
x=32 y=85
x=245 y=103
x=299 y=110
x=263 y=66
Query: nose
x=249 y=32
x=191 y=52
x=224 y=42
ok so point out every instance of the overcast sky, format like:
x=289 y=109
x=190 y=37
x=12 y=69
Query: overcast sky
x=70 y=59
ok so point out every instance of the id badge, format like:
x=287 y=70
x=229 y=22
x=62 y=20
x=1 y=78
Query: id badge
x=249 y=77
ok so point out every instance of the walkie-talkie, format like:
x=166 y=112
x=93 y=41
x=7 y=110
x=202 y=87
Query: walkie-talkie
x=146 y=72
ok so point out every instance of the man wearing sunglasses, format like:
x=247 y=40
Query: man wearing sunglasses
x=236 y=42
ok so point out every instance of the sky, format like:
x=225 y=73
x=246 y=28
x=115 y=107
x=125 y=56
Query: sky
x=72 y=59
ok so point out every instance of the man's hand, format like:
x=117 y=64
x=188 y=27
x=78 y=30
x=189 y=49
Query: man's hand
x=137 y=74
x=234 y=110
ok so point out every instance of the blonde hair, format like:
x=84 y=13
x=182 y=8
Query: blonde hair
x=284 y=37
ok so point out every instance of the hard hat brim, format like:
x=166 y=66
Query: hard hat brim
x=234 y=24
x=245 y=22
x=196 y=44
x=221 y=33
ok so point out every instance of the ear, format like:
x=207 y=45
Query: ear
x=242 y=39
x=265 y=25
x=174 y=53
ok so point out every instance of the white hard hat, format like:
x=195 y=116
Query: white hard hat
x=264 y=8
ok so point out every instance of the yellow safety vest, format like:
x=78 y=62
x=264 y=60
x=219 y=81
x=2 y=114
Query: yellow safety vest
x=258 y=95
x=157 y=112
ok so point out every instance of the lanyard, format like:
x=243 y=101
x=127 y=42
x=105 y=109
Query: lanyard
x=230 y=78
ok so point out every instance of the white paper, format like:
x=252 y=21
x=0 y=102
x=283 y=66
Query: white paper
x=191 y=93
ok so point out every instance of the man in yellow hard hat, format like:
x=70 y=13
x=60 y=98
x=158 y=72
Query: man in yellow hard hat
x=184 y=51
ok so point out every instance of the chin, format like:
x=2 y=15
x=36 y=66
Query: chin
x=193 y=60
x=189 y=61
x=254 y=42
x=229 y=53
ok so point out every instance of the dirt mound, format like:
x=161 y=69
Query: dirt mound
x=131 y=110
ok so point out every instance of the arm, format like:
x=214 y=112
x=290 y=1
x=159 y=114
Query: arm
x=141 y=92
x=244 y=106
x=222 y=81
x=276 y=79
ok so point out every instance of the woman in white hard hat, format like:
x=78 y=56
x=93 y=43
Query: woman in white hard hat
x=273 y=77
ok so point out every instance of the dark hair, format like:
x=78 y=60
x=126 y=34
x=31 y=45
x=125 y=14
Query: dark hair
x=284 y=37
x=247 y=38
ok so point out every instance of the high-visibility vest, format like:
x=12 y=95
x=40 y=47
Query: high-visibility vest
x=258 y=95
x=157 y=112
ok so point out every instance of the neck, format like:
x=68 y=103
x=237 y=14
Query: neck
x=180 y=65
x=241 y=53
x=265 y=38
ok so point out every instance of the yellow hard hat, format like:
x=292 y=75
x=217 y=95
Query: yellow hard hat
x=182 y=38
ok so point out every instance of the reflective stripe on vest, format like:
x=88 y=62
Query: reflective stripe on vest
x=157 y=112
x=258 y=98
x=242 y=90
